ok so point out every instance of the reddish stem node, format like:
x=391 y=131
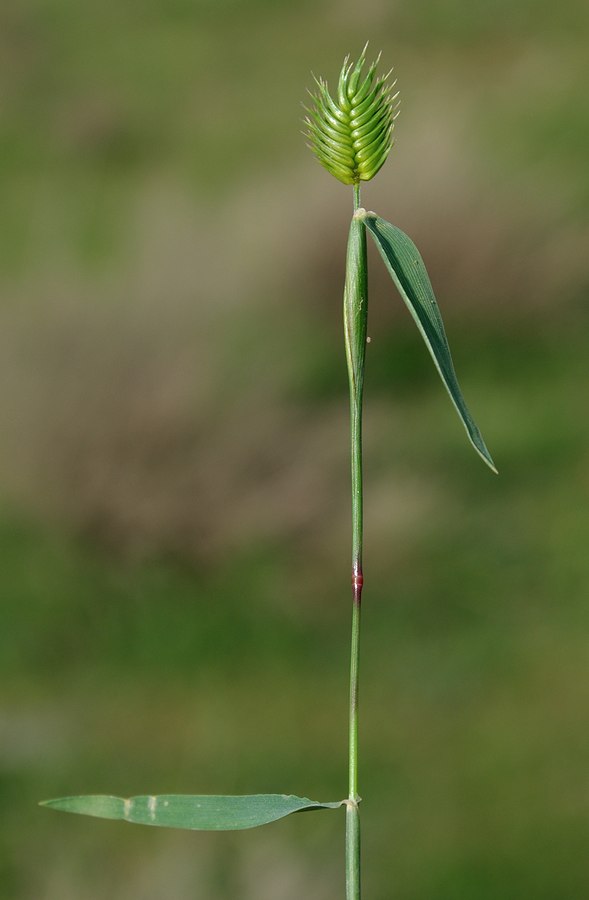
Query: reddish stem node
x=357 y=583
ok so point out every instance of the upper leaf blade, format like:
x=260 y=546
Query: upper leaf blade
x=204 y=812
x=404 y=262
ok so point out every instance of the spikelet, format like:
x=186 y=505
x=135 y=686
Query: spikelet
x=351 y=134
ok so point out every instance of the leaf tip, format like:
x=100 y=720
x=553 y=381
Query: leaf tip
x=54 y=803
x=485 y=456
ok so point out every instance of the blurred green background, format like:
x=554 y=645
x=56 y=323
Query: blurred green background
x=174 y=532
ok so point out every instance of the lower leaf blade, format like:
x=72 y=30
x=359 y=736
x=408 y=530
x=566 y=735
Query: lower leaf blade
x=204 y=812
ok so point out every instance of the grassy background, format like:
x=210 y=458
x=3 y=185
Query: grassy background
x=174 y=528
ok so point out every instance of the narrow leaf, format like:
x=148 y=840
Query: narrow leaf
x=404 y=262
x=200 y=811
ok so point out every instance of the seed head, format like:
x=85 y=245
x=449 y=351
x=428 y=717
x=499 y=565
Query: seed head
x=351 y=133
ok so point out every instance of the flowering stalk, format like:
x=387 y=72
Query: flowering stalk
x=351 y=135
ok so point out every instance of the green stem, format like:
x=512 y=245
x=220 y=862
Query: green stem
x=355 y=319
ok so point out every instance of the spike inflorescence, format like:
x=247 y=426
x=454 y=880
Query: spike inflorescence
x=351 y=134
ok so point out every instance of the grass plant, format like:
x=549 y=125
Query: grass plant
x=350 y=132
